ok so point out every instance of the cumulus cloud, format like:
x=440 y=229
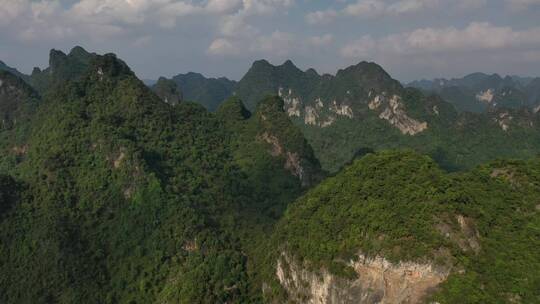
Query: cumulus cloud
x=319 y=41
x=410 y=6
x=222 y=46
x=365 y=8
x=277 y=44
x=477 y=36
x=321 y=17
x=239 y=37
x=48 y=19
x=11 y=9
x=521 y=4
x=369 y=9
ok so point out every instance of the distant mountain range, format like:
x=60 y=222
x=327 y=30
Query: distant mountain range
x=210 y=92
x=362 y=108
x=479 y=92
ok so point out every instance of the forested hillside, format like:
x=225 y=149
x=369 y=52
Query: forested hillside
x=121 y=197
x=394 y=228
x=363 y=108
x=114 y=192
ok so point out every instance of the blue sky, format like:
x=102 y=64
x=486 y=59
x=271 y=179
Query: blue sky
x=411 y=39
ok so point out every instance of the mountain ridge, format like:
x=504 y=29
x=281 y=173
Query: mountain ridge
x=480 y=92
x=334 y=189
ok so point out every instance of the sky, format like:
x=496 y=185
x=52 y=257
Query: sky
x=411 y=39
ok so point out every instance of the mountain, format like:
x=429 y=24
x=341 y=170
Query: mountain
x=114 y=196
x=264 y=79
x=61 y=68
x=17 y=100
x=168 y=91
x=394 y=228
x=5 y=67
x=362 y=107
x=532 y=90
x=479 y=92
x=114 y=192
x=209 y=92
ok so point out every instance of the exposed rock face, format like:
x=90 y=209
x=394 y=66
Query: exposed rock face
x=485 y=96
x=293 y=164
x=20 y=150
x=293 y=161
x=379 y=281
x=292 y=104
x=396 y=115
x=341 y=109
x=311 y=117
x=504 y=119
x=168 y=91
x=376 y=102
x=466 y=237
x=276 y=148
x=537 y=109
x=316 y=113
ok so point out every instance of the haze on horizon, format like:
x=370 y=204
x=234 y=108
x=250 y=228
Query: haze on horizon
x=411 y=39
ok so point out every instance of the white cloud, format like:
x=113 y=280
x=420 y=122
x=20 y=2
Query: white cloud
x=470 y=4
x=224 y=6
x=411 y=6
x=521 y=4
x=100 y=19
x=222 y=46
x=475 y=37
x=319 y=41
x=239 y=36
x=11 y=9
x=321 y=17
x=361 y=48
x=277 y=43
x=367 y=9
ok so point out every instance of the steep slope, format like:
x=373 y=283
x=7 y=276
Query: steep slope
x=209 y=92
x=394 y=228
x=61 y=68
x=362 y=107
x=264 y=79
x=17 y=100
x=15 y=72
x=128 y=199
x=275 y=133
x=168 y=91
x=533 y=92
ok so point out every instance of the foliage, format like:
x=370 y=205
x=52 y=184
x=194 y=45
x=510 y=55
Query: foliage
x=392 y=204
x=110 y=195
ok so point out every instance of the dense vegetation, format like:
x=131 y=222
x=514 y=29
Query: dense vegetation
x=109 y=194
x=129 y=199
x=456 y=140
x=400 y=205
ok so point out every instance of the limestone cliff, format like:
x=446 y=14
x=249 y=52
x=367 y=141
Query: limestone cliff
x=378 y=281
